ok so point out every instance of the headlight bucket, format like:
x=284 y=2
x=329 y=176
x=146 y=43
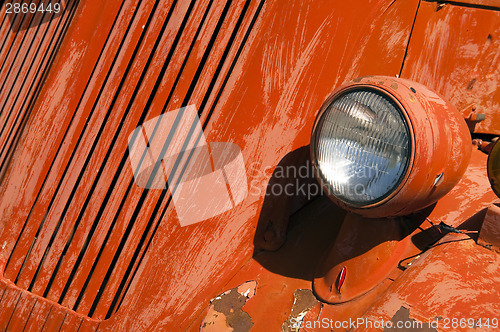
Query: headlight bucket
x=440 y=146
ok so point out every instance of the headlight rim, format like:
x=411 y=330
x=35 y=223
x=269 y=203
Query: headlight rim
x=350 y=87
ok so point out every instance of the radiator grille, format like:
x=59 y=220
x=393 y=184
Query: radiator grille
x=28 y=44
x=90 y=225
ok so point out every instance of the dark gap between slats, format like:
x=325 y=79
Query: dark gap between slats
x=20 y=69
x=125 y=157
x=33 y=98
x=41 y=42
x=13 y=62
x=14 y=310
x=30 y=313
x=157 y=165
x=19 y=19
x=82 y=171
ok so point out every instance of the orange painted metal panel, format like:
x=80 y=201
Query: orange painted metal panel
x=46 y=117
x=281 y=106
x=40 y=246
x=60 y=187
x=455 y=52
x=21 y=312
x=234 y=12
x=74 y=189
x=25 y=55
x=8 y=304
x=125 y=216
x=36 y=319
x=79 y=231
x=455 y=279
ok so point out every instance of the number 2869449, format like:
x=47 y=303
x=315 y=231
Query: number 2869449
x=27 y=7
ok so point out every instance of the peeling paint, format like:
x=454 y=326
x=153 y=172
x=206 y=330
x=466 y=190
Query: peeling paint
x=225 y=312
x=403 y=315
x=304 y=301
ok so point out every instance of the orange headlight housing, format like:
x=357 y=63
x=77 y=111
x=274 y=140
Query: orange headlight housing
x=426 y=146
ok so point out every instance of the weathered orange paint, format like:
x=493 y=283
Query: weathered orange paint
x=279 y=273
x=358 y=242
x=455 y=279
x=271 y=66
x=454 y=51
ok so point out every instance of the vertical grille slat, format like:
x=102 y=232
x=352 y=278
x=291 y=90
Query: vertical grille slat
x=191 y=68
x=89 y=226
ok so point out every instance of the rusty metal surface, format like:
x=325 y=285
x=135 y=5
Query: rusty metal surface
x=314 y=229
x=226 y=310
x=455 y=52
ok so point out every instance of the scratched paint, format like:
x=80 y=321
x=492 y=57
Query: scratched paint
x=266 y=105
x=455 y=51
x=441 y=284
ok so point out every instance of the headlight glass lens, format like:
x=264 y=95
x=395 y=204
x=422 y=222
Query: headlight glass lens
x=362 y=147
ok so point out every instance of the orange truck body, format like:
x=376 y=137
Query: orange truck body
x=82 y=248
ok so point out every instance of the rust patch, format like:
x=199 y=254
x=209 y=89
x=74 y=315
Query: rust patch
x=471 y=84
x=411 y=98
x=226 y=310
x=304 y=301
x=359 y=79
x=401 y=321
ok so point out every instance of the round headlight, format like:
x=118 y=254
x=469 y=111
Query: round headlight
x=384 y=146
x=362 y=145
